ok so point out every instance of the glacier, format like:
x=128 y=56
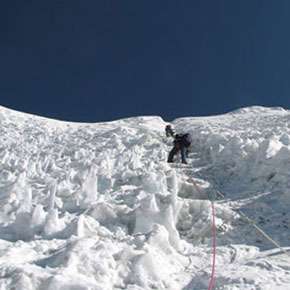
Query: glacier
x=97 y=207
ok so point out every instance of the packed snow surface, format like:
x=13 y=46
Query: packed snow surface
x=97 y=207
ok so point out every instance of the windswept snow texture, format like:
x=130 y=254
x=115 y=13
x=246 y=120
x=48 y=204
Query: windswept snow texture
x=97 y=207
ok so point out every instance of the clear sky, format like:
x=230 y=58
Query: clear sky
x=97 y=60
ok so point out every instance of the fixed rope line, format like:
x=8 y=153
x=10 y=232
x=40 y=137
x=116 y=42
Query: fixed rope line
x=258 y=229
x=213 y=233
x=253 y=223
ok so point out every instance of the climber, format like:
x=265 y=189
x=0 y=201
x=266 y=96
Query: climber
x=169 y=131
x=181 y=143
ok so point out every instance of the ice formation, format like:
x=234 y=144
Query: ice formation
x=97 y=207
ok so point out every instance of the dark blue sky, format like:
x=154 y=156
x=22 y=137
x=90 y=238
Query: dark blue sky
x=95 y=60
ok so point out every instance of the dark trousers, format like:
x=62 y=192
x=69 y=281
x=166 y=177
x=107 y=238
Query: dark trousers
x=175 y=150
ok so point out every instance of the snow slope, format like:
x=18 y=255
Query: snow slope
x=96 y=206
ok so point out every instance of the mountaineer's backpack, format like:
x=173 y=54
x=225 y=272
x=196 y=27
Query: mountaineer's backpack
x=185 y=139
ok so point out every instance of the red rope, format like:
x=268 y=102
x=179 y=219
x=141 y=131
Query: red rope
x=214 y=245
x=213 y=230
